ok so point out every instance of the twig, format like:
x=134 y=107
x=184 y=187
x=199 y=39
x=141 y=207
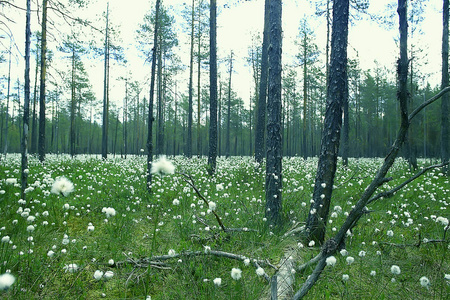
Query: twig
x=312 y=261
x=391 y=192
x=156 y=260
x=190 y=181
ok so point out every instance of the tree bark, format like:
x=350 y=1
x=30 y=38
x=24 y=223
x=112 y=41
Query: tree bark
x=26 y=104
x=336 y=93
x=150 y=102
x=212 y=155
x=228 y=139
x=191 y=90
x=261 y=106
x=444 y=83
x=105 y=92
x=5 y=149
x=274 y=139
x=41 y=140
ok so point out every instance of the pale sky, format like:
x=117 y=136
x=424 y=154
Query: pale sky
x=236 y=25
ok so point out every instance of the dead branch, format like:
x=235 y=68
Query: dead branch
x=190 y=181
x=156 y=261
x=388 y=194
x=428 y=102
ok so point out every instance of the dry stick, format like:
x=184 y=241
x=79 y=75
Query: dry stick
x=191 y=183
x=332 y=244
x=391 y=192
x=156 y=260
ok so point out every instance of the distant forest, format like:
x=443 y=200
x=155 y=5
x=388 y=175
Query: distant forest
x=74 y=125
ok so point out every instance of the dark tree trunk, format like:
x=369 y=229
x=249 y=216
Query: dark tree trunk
x=26 y=104
x=345 y=133
x=105 y=92
x=444 y=83
x=72 y=106
x=41 y=141
x=212 y=155
x=160 y=133
x=336 y=93
x=228 y=138
x=5 y=149
x=191 y=90
x=274 y=141
x=261 y=106
x=150 y=102
x=33 y=149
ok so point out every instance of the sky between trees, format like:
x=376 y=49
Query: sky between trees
x=238 y=22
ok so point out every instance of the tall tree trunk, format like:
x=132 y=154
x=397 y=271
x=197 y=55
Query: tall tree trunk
x=105 y=91
x=261 y=106
x=199 y=55
x=34 y=120
x=444 y=83
x=305 y=94
x=41 y=141
x=191 y=91
x=336 y=93
x=345 y=129
x=26 y=107
x=5 y=148
x=160 y=132
x=274 y=141
x=150 y=102
x=125 y=120
x=228 y=138
x=212 y=155
x=72 y=106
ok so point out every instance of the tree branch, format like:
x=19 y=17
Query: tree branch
x=428 y=102
x=388 y=194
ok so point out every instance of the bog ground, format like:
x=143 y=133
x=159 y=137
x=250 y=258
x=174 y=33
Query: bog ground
x=108 y=238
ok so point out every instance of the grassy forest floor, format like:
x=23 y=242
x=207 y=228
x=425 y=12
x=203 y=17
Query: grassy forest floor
x=77 y=248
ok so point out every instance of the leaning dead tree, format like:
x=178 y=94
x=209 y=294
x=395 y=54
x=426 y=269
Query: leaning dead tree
x=333 y=244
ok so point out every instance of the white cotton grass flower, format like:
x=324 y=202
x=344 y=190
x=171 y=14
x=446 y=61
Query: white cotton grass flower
x=345 y=277
x=109 y=211
x=395 y=269
x=90 y=227
x=30 y=228
x=350 y=260
x=207 y=249
x=212 y=205
x=172 y=252
x=50 y=253
x=331 y=261
x=162 y=166
x=71 y=268
x=6 y=239
x=343 y=252
x=108 y=275
x=98 y=275
x=176 y=202
x=6 y=280
x=260 y=271
x=390 y=233
x=425 y=282
x=236 y=273
x=373 y=273
x=11 y=181
x=63 y=186
x=111 y=262
x=442 y=220
x=246 y=261
x=219 y=187
x=362 y=253
x=217 y=281
x=311 y=244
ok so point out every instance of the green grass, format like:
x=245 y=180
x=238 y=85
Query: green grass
x=151 y=225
